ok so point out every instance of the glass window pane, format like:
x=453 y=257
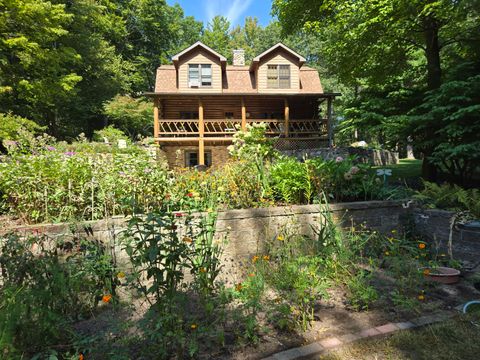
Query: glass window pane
x=206 y=69
x=193 y=72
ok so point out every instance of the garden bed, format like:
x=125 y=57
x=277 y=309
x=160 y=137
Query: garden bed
x=333 y=318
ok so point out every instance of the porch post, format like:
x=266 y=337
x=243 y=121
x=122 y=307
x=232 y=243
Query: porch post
x=201 y=132
x=287 y=117
x=156 y=124
x=244 y=115
x=330 y=121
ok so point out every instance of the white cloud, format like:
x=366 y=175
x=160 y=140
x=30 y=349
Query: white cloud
x=232 y=10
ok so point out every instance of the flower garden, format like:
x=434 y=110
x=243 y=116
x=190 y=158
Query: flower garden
x=172 y=293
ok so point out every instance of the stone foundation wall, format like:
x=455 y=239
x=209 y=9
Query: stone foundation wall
x=371 y=156
x=174 y=155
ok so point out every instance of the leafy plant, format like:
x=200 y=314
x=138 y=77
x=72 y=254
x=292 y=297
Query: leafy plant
x=46 y=286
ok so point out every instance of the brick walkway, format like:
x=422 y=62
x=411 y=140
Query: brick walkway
x=322 y=346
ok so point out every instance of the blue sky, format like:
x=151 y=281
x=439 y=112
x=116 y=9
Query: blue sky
x=234 y=10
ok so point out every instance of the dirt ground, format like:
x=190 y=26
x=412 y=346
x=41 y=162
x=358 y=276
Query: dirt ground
x=333 y=317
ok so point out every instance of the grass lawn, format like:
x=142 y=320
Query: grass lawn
x=405 y=169
x=456 y=339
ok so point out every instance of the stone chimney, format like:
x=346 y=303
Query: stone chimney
x=239 y=57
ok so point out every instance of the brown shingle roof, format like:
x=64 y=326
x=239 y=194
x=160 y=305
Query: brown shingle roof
x=166 y=81
x=310 y=81
x=236 y=80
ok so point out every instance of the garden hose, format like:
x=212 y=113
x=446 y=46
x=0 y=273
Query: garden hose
x=465 y=307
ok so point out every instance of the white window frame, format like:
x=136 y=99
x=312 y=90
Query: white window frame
x=203 y=78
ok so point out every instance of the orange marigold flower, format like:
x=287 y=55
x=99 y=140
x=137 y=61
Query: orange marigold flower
x=81 y=357
x=121 y=275
x=187 y=239
x=422 y=246
x=251 y=274
x=255 y=259
x=106 y=298
x=426 y=272
x=266 y=257
x=203 y=270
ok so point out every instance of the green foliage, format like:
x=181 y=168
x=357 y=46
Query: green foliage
x=162 y=248
x=12 y=127
x=362 y=294
x=46 y=287
x=111 y=134
x=52 y=185
x=133 y=116
x=293 y=181
x=451 y=197
x=451 y=113
x=254 y=144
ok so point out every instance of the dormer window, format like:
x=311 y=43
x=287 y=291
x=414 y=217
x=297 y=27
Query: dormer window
x=199 y=75
x=278 y=77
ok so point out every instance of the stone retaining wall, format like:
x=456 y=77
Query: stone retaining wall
x=249 y=230
x=371 y=156
x=434 y=226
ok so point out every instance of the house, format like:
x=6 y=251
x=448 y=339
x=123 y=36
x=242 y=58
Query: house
x=199 y=101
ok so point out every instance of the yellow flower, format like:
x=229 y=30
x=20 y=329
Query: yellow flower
x=421 y=297
x=255 y=259
x=422 y=246
x=203 y=270
x=193 y=326
x=394 y=231
x=266 y=257
x=280 y=238
x=387 y=253
x=209 y=210
x=121 y=275
x=426 y=272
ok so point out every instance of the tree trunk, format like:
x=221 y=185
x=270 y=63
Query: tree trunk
x=434 y=80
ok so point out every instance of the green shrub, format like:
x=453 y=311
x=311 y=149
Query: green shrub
x=14 y=127
x=450 y=197
x=133 y=116
x=111 y=134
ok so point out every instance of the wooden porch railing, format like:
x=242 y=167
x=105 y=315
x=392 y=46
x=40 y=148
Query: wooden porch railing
x=297 y=128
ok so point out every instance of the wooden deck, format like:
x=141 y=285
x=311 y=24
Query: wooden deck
x=178 y=129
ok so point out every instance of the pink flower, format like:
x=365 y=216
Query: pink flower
x=339 y=159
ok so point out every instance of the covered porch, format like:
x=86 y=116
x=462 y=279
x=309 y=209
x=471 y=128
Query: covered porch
x=199 y=119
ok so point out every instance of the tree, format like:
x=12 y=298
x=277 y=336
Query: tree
x=132 y=116
x=217 y=36
x=375 y=44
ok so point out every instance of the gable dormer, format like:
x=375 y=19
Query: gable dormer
x=199 y=69
x=277 y=70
